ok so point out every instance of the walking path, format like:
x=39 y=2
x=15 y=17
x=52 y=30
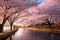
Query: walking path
x=7 y=33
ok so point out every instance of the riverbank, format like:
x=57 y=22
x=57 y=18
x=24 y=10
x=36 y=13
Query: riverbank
x=53 y=30
x=7 y=33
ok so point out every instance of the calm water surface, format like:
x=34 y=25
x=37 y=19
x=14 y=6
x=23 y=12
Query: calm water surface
x=24 y=34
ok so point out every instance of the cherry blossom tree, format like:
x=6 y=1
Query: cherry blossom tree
x=11 y=7
x=15 y=17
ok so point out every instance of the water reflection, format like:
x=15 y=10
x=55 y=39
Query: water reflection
x=24 y=34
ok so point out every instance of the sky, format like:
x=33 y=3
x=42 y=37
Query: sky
x=41 y=1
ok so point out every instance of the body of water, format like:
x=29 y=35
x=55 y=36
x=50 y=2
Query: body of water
x=25 y=34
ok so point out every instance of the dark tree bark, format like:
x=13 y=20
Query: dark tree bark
x=11 y=24
x=14 y=27
x=1 y=26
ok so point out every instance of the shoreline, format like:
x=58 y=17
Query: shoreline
x=52 y=30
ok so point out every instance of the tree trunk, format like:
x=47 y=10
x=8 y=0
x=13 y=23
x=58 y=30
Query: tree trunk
x=14 y=27
x=1 y=28
x=1 y=25
x=11 y=26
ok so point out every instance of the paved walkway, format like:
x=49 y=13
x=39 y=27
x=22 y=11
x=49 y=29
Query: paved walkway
x=6 y=33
